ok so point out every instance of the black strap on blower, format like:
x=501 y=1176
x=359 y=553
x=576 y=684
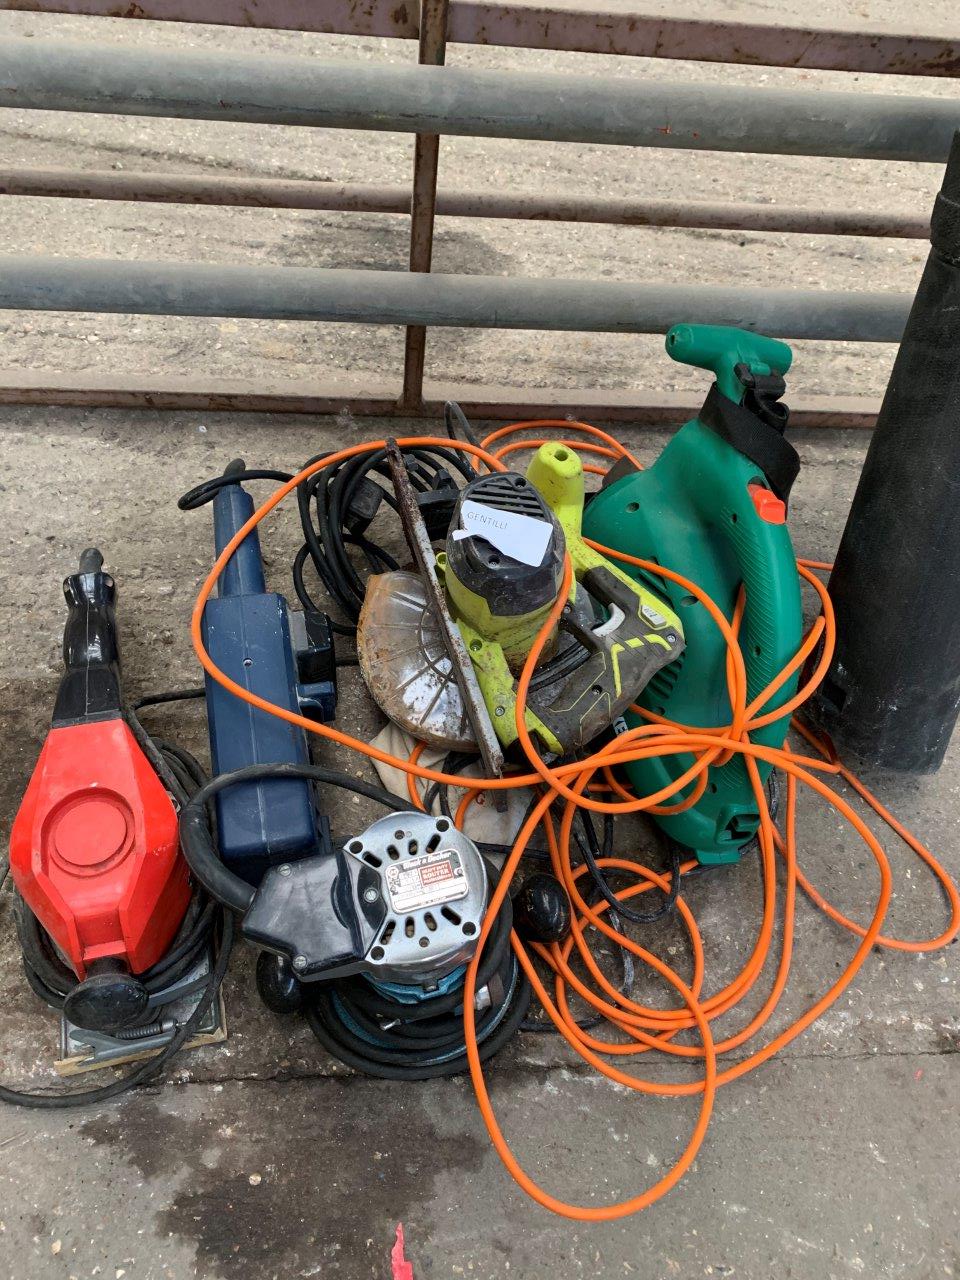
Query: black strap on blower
x=755 y=428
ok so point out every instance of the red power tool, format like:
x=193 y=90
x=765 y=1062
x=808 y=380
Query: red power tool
x=94 y=851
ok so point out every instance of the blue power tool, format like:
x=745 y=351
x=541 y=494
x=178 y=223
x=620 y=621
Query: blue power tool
x=287 y=658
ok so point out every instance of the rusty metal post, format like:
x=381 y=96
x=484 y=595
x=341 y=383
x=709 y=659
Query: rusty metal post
x=462 y=669
x=423 y=203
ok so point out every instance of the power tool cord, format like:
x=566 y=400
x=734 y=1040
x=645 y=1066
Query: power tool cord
x=175 y=695
x=199 y=842
x=153 y=1066
x=455 y=420
x=410 y=1052
x=591 y=850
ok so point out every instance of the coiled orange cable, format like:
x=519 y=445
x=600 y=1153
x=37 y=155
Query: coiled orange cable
x=592 y=784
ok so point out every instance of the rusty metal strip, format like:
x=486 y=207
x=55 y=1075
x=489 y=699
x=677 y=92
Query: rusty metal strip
x=423 y=203
x=418 y=540
x=379 y=399
x=284 y=193
x=576 y=27
x=588 y=29
x=328 y=17
x=204 y=189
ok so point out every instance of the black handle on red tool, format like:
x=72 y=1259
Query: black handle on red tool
x=90 y=688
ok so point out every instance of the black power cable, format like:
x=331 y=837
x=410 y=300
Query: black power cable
x=455 y=420
x=175 y=695
x=402 y=1055
x=236 y=473
x=338 y=503
x=591 y=850
x=53 y=980
x=199 y=842
x=147 y=1070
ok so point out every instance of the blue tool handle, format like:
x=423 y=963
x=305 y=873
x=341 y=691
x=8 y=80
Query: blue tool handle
x=247 y=632
x=232 y=508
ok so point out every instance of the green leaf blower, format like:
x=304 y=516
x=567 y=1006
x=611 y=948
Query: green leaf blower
x=713 y=508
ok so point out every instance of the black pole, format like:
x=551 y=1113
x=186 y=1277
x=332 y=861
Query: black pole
x=892 y=694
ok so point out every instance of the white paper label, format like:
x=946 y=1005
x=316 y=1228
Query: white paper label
x=521 y=537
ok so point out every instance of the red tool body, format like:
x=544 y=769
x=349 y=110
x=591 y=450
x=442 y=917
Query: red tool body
x=94 y=850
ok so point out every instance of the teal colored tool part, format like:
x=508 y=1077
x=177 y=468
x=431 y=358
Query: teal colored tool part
x=697 y=510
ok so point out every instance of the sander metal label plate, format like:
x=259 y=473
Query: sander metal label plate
x=428 y=880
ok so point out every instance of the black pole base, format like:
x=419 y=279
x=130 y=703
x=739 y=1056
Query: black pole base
x=892 y=694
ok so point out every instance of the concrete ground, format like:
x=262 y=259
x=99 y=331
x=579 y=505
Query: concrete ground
x=261 y=1158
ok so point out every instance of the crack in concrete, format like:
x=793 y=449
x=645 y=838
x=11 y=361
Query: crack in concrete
x=526 y=1069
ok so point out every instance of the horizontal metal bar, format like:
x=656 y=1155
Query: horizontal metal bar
x=576 y=27
x=591 y=30
x=328 y=17
x=289 y=193
x=375 y=399
x=262 y=89
x=475 y=302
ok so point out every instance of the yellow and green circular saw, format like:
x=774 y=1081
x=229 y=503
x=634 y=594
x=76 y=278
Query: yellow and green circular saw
x=501 y=571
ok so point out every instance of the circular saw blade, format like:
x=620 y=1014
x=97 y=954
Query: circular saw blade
x=405 y=664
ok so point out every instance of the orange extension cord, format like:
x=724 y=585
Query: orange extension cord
x=591 y=784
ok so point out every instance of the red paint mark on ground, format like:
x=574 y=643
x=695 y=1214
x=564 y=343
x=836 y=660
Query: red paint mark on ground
x=401 y=1268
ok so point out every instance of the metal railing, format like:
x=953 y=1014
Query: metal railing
x=580 y=29
x=430 y=100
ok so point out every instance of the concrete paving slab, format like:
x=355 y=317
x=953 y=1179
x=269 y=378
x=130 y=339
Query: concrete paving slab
x=809 y=1173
